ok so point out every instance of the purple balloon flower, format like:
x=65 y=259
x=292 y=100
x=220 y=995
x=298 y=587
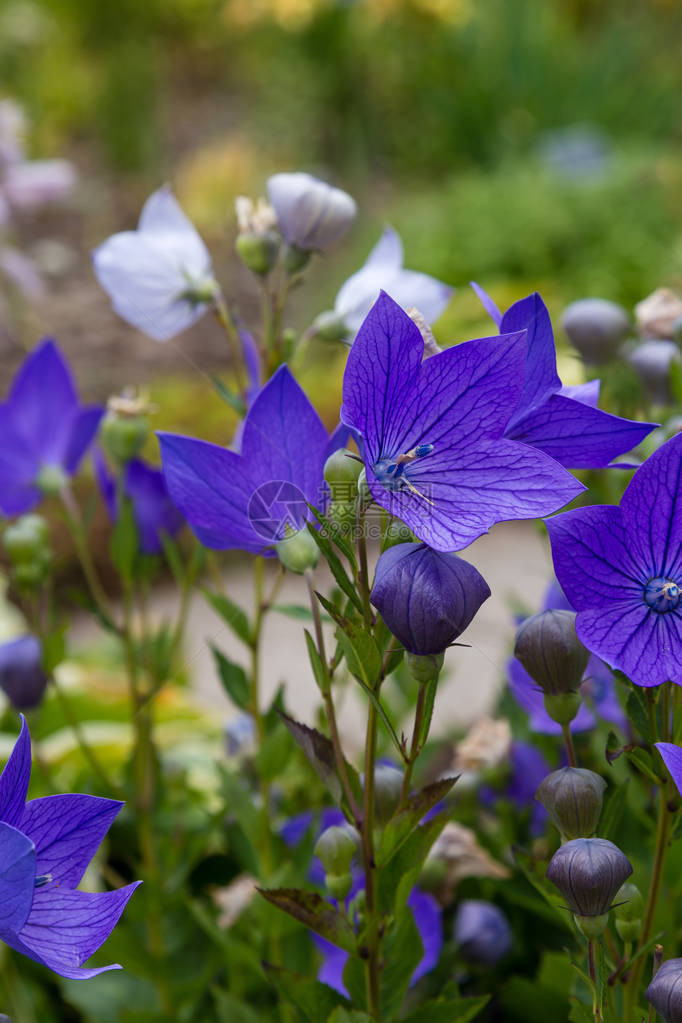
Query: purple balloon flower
x=384 y=269
x=153 y=509
x=598 y=687
x=621 y=568
x=482 y=932
x=45 y=848
x=562 y=421
x=45 y=430
x=159 y=277
x=428 y=919
x=22 y=676
x=248 y=500
x=432 y=432
x=426 y=598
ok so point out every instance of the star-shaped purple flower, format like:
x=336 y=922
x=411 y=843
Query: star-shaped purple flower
x=432 y=432
x=153 y=509
x=598 y=687
x=250 y=499
x=621 y=568
x=562 y=421
x=45 y=430
x=45 y=848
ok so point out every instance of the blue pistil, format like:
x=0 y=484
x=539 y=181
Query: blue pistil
x=662 y=594
x=390 y=472
x=41 y=880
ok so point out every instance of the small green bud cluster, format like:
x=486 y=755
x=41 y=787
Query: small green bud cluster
x=27 y=543
x=125 y=427
x=335 y=848
x=341 y=472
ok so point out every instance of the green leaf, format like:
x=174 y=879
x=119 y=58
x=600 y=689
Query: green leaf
x=429 y=700
x=234 y=680
x=232 y=1010
x=338 y=539
x=400 y=827
x=336 y=567
x=311 y=909
x=316 y=663
x=173 y=559
x=636 y=708
x=124 y=543
x=643 y=762
x=320 y=752
x=615 y=802
x=231 y=614
x=386 y=721
x=527 y=863
x=315 y=1000
x=274 y=752
x=228 y=396
x=341 y=1015
x=402 y=952
x=579 y=1013
x=397 y=878
x=298 y=611
x=454 y=1010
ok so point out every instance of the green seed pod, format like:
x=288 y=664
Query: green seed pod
x=123 y=437
x=628 y=903
x=258 y=250
x=298 y=552
x=573 y=796
x=550 y=651
x=335 y=849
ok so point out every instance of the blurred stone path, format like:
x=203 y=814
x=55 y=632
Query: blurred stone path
x=515 y=560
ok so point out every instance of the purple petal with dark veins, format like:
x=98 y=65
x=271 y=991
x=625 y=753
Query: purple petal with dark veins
x=15 y=778
x=67 y=830
x=593 y=558
x=541 y=378
x=576 y=434
x=631 y=637
x=17 y=879
x=672 y=758
x=652 y=511
x=64 y=928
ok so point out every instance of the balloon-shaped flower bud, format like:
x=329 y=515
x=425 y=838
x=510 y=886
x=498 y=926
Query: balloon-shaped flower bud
x=388 y=785
x=341 y=471
x=426 y=598
x=653 y=362
x=588 y=872
x=125 y=427
x=549 y=649
x=257 y=243
x=335 y=848
x=596 y=327
x=310 y=213
x=22 y=676
x=665 y=991
x=27 y=542
x=628 y=909
x=298 y=552
x=482 y=932
x=573 y=796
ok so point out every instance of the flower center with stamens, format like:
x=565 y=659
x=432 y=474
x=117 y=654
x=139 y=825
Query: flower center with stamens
x=390 y=472
x=662 y=594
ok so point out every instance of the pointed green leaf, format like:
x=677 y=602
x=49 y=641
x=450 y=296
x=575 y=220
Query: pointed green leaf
x=313 y=999
x=234 y=680
x=315 y=912
x=316 y=663
x=400 y=827
x=231 y=614
x=452 y=1010
x=336 y=567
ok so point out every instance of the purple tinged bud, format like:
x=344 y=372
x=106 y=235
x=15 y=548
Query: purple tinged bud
x=22 y=676
x=653 y=361
x=588 y=872
x=549 y=649
x=427 y=598
x=665 y=991
x=310 y=213
x=482 y=932
x=573 y=796
x=596 y=327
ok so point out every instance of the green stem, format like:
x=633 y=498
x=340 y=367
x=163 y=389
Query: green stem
x=225 y=320
x=373 y=951
x=596 y=1007
x=416 y=747
x=570 y=748
x=363 y=570
x=83 y=745
x=77 y=530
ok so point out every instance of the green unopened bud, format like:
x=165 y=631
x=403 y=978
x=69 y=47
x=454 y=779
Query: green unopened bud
x=295 y=260
x=258 y=250
x=123 y=437
x=299 y=552
x=29 y=577
x=549 y=649
x=424 y=667
x=563 y=707
x=329 y=326
x=397 y=532
x=573 y=796
x=591 y=927
x=51 y=480
x=388 y=785
x=336 y=847
x=342 y=468
x=628 y=903
x=338 y=885
x=27 y=539
x=364 y=493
